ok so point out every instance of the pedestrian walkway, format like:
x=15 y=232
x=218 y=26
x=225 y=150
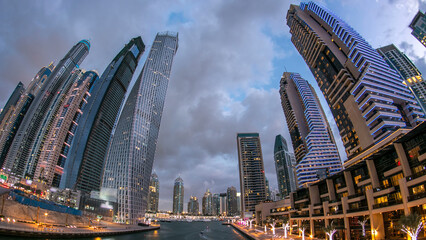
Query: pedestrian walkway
x=258 y=233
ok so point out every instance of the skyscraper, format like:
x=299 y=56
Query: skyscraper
x=12 y=125
x=178 y=193
x=216 y=204
x=313 y=143
x=21 y=157
x=418 y=25
x=85 y=161
x=367 y=98
x=59 y=137
x=408 y=71
x=12 y=101
x=154 y=194
x=193 y=206
x=284 y=167
x=223 y=206
x=232 y=205
x=252 y=173
x=134 y=142
x=207 y=205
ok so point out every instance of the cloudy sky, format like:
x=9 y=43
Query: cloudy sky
x=225 y=76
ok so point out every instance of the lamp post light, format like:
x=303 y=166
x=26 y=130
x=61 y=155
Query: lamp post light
x=45 y=215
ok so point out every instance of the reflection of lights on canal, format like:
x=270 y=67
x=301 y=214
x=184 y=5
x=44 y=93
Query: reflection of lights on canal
x=155 y=233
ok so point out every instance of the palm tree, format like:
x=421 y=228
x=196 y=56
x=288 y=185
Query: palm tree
x=411 y=225
x=330 y=230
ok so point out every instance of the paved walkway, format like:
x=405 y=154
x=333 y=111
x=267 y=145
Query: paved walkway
x=103 y=228
x=258 y=233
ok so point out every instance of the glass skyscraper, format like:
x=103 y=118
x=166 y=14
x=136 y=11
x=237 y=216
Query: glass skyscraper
x=12 y=125
x=231 y=198
x=85 y=160
x=284 y=166
x=21 y=156
x=408 y=71
x=367 y=98
x=418 y=25
x=314 y=147
x=134 y=142
x=252 y=172
x=178 y=194
x=153 y=194
x=207 y=203
x=193 y=206
x=12 y=101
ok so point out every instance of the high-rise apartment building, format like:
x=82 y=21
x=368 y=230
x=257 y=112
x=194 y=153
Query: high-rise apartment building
x=410 y=74
x=231 y=204
x=216 y=204
x=12 y=101
x=22 y=156
x=418 y=25
x=85 y=161
x=252 y=173
x=11 y=126
x=284 y=167
x=59 y=137
x=207 y=204
x=193 y=206
x=153 y=194
x=312 y=139
x=223 y=204
x=134 y=142
x=367 y=98
x=178 y=194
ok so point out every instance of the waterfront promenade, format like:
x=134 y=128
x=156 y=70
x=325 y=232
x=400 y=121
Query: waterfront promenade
x=57 y=231
x=258 y=233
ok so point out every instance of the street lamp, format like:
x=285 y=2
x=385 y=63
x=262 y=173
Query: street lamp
x=45 y=215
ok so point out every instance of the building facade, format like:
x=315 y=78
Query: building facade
x=178 y=194
x=11 y=126
x=85 y=161
x=58 y=139
x=193 y=206
x=284 y=166
x=231 y=201
x=207 y=204
x=21 y=158
x=314 y=147
x=367 y=98
x=252 y=173
x=12 y=101
x=418 y=25
x=153 y=194
x=216 y=204
x=134 y=142
x=387 y=182
x=410 y=74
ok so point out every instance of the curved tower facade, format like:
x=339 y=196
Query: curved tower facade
x=85 y=161
x=367 y=98
x=308 y=126
x=20 y=158
x=134 y=142
x=53 y=154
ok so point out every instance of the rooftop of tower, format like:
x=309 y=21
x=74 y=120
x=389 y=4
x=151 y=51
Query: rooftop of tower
x=86 y=42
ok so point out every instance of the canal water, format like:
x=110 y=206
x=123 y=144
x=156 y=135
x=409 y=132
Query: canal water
x=179 y=231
